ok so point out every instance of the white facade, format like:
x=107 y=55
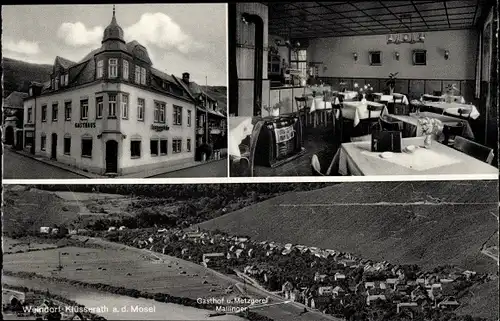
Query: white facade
x=53 y=134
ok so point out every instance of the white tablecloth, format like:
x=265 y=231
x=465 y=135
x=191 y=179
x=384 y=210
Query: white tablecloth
x=357 y=110
x=452 y=108
x=357 y=159
x=348 y=95
x=239 y=128
x=317 y=103
x=390 y=98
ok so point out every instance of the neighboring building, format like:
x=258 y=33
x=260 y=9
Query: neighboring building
x=213 y=259
x=206 y=107
x=13 y=114
x=112 y=112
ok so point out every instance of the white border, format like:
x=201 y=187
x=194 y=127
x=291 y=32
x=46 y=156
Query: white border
x=239 y=180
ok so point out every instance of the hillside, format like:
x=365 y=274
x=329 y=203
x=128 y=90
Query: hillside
x=219 y=93
x=18 y=74
x=426 y=224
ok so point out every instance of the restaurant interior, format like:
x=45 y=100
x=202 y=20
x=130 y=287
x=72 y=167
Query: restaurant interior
x=363 y=88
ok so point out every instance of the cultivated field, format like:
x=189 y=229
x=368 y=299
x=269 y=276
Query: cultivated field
x=12 y=245
x=125 y=268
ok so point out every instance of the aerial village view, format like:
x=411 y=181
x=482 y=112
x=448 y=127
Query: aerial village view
x=375 y=251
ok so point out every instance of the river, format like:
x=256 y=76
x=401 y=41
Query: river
x=123 y=306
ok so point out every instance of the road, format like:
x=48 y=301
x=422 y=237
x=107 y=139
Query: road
x=212 y=169
x=286 y=311
x=16 y=166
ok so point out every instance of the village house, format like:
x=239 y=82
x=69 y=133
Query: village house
x=339 y=276
x=407 y=306
x=213 y=260
x=325 y=290
x=370 y=299
x=111 y=112
x=13 y=119
x=449 y=304
x=338 y=292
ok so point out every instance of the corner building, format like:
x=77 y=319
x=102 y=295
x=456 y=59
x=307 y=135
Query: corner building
x=111 y=113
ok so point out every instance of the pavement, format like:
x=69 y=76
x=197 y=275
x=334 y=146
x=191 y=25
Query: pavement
x=22 y=165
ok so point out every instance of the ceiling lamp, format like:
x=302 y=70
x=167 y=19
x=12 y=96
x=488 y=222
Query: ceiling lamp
x=408 y=37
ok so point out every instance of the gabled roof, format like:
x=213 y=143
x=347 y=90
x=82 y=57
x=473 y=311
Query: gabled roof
x=163 y=76
x=65 y=63
x=15 y=100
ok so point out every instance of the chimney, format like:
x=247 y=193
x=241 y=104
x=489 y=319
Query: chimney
x=185 y=77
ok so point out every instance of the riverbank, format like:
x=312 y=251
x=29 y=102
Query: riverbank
x=133 y=305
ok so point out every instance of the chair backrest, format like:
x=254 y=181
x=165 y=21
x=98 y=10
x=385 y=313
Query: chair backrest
x=401 y=109
x=432 y=109
x=437 y=93
x=465 y=112
x=398 y=98
x=450 y=131
x=473 y=149
x=372 y=108
x=301 y=103
x=388 y=125
x=316 y=166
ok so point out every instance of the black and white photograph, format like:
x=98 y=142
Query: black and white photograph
x=363 y=88
x=127 y=90
x=396 y=251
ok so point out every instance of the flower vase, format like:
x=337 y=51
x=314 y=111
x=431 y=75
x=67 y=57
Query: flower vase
x=363 y=100
x=391 y=91
x=428 y=141
x=448 y=98
x=274 y=112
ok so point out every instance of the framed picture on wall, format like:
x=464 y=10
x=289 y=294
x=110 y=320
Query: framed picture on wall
x=375 y=58
x=419 y=57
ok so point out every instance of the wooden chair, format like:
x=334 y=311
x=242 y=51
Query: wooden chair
x=451 y=131
x=473 y=149
x=389 y=125
x=437 y=93
x=465 y=112
x=432 y=109
x=316 y=166
x=301 y=104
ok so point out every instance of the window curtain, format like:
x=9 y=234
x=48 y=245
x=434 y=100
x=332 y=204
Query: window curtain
x=479 y=63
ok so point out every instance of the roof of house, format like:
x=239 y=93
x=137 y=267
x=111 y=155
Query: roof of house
x=65 y=63
x=15 y=100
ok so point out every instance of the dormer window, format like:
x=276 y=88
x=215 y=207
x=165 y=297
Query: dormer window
x=66 y=79
x=31 y=91
x=113 y=68
x=62 y=80
x=100 y=68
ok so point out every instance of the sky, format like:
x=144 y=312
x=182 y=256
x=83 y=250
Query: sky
x=179 y=37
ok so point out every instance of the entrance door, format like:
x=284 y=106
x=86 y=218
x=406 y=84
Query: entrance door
x=111 y=156
x=9 y=136
x=54 y=146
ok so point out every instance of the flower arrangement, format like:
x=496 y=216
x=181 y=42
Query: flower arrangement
x=274 y=110
x=391 y=82
x=430 y=127
x=451 y=90
x=363 y=91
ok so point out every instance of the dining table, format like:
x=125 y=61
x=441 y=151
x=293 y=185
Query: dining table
x=358 y=110
x=357 y=159
x=347 y=95
x=390 y=98
x=432 y=98
x=413 y=128
x=454 y=108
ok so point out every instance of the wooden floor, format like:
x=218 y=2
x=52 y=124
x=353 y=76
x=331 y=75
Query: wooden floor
x=321 y=142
